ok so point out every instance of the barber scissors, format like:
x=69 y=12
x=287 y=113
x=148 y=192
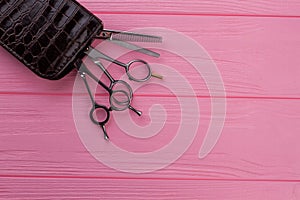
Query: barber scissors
x=120 y=92
x=96 y=106
x=143 y=65
x=119 y=99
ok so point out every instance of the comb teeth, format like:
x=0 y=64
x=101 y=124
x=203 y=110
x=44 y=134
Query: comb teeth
x=128 y=36
x=123 y=36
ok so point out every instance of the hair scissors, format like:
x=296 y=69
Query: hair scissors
x=119 y=99
x=144 y=66
x=120 y=92
x=96 y=106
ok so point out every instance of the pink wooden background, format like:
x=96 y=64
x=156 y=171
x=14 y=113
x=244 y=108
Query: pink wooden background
x=256 y=46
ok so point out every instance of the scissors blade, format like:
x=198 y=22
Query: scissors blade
x=128 y=36
x=95 y=54
x=135 y=48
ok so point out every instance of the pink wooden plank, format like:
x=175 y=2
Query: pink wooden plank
x=251 y=54
x=259 y=140
x=202 y=7
x=53 y=188
x=42 y=157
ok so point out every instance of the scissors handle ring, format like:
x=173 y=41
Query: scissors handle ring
x=133 y=78
x=114 y=90
x=117 y=105
x=92 y=116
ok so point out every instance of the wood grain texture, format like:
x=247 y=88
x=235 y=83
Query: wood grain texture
x=253 y=146
x=257 y=57
x=255 y=45
x=275 y=8
x=53 y=188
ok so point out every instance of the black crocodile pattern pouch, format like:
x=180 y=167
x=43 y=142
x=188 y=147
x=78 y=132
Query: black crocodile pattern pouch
x=47 y=36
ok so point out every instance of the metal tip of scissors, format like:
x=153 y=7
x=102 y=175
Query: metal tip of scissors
x=138 y=112
x=106 y=137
